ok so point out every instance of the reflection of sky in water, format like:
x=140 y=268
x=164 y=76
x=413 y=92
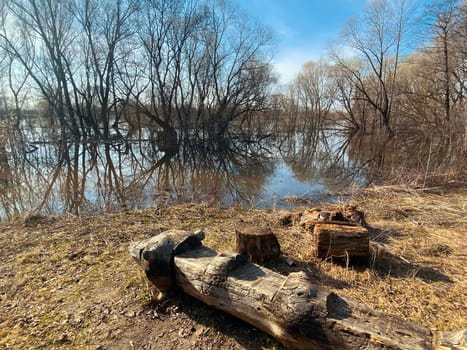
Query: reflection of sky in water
x=282 y=184
x=127 y=177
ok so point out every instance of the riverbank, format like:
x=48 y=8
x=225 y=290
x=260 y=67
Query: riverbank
x=69 y=282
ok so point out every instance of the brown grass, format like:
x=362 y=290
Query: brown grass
x=69 y=282
x=426 y=230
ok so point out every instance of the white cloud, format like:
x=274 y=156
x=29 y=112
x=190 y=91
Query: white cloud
x=289 y=62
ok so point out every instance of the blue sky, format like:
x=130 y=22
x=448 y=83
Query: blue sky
x=304 y=28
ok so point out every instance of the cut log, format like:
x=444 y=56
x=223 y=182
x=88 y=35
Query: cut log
x=344 y=241
x=298 y=313
x=349 y=215
x=258 y=243
x=155 y=255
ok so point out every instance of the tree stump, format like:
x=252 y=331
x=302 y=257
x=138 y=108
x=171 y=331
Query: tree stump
x=341 y=241
x=257 y=243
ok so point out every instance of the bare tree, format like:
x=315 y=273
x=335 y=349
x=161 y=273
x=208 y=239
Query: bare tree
x=184 y=64
x=13 y=77
x=377 y=40
x=316 y=90
x=106 y=26
x=16 y=83
x=40 y=42
x=166 y=30
x=448 y=51
x=70 y=50
x=238 y=57
x=349 y=104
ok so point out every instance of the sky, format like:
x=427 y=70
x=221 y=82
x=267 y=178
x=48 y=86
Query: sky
x=304 y=29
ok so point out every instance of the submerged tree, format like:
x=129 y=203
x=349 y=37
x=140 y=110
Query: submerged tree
x=38 y=36
x=187 y=65
x=207 y=65
x=238 y=68
x=316 y=92
x=107 y=28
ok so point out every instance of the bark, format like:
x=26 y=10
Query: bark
x=257 y=243
x=341 y=241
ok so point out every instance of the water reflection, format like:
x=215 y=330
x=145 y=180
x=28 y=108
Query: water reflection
x=321 y=159
x=38 y=175
x=89 y=177
x=53 y=177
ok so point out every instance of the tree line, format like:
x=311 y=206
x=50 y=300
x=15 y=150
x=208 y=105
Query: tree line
x=183 y=64
x=375 y=79
x=196 y=67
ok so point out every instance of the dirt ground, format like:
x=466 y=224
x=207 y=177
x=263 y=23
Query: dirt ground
x=68 y=282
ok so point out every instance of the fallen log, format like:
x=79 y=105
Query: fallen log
x=298 y=313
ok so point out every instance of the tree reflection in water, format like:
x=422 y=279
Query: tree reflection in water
x=320 y=158
x=89 y=177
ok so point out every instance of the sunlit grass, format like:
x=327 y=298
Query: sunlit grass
x=70 y=280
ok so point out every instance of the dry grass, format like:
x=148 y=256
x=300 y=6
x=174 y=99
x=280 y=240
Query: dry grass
x=426 y=230
x=68 y=282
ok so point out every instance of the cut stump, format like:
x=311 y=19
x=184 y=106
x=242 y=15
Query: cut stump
x=258 y=243
x=341 y=241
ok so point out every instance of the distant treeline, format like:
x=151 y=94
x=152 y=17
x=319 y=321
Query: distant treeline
x=200 y=67
x=375 y=77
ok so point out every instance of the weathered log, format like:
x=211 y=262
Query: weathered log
x=341 y=241
x=257 y=243
x=349 y=215
x=155 y=255
x=298 y=313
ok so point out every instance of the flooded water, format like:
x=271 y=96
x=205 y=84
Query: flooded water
x=89 y=177
x=38 y=175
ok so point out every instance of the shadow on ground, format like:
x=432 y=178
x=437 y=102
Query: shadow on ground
x=384 y=262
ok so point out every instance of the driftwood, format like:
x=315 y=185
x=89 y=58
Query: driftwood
x=258 y=243
x=298 y=313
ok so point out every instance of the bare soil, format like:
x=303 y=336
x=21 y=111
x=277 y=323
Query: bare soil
x=69 y=282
